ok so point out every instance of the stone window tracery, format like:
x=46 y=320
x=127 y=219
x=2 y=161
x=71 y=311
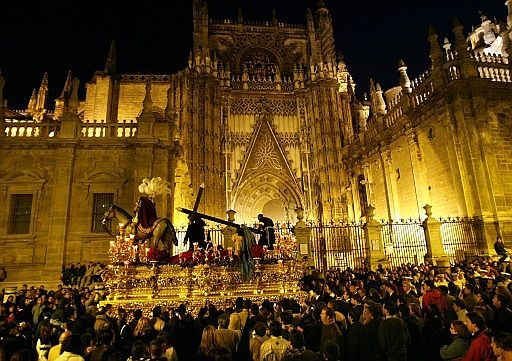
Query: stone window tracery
x=260 y=64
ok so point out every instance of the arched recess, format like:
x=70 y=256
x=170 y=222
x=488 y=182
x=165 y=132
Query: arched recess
x=254 y=194
x=259 y=62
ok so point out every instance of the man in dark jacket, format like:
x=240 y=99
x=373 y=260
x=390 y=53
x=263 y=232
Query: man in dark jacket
x=393 y=334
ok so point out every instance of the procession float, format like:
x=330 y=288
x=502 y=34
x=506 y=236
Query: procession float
x=143 y=271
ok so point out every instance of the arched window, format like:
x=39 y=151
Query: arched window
x=260 y=63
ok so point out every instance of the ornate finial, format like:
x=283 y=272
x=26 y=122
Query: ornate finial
x=405 y=82
x=274 y=16
x=320 y=4
x=73 y=99
x=42 y=93
x=32 y=102
x=67 y=85
x=111 y=62
x=147 y=103
x=428 y=210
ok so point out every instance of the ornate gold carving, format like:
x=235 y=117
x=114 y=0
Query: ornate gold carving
x=266 y=155
x=245 y=105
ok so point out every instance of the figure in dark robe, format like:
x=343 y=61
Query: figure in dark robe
x=196 y=233
x=266 y=230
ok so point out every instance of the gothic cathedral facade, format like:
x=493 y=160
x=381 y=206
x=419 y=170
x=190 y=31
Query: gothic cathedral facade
x=266 y=116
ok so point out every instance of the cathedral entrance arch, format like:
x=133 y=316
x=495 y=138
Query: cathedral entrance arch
x=268 y=193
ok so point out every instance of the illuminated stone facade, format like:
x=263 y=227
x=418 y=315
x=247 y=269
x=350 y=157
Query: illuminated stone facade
x=266 y=116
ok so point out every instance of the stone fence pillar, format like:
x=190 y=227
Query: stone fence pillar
x=229 y=231
x=302 y=235
x=435 y=250
x=373 y=241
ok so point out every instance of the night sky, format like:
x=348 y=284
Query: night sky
x=155 y=37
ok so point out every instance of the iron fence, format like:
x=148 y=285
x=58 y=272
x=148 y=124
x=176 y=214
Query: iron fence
x=463 y=237
x=404 y=242
x=338 y=246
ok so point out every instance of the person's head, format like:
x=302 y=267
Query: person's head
x=276 y=328
x=354 y=314
x=459 y=305
x=499 y=300
x=223 y=320
x=137 y=314
x=63 y=336
x=260 y=329
x=428 y=285
x=157 y=311
x=286 y=318
x=331 y=351
x=499 y=240
x=327 y=315
x=468 y=288
x=208 y=341
x=482 y=298
x=501 y=343
x=73 y=344
x=143 y=327
x=260 y=216
x=139 y=350
x=371 y=311
x=156 y=348
x=474 y=322
x=239 y=303
x=389 y=308
x=458 y=328
x=297 y=340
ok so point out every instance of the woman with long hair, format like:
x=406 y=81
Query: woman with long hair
x=208 y=346
x=143 y=330
x=461 y=339
x=43 y=344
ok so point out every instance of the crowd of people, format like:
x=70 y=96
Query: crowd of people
x=413 y=312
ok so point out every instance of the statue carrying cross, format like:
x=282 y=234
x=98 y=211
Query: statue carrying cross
x=196 y=230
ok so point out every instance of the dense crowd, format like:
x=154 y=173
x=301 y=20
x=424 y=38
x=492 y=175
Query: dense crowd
x=408 y=313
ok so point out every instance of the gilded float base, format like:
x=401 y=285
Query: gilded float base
x=145 y=286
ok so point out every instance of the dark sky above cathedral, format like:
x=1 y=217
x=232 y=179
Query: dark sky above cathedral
x=155 y=36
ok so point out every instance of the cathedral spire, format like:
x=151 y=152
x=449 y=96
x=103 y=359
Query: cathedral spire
x=436 y=54
x=73 y=97
x=32 y=103
x=42 y=94
x=274 y=17
x=147 y=103
x=405 y=82
x=67 y=85
x=111 y=62
x=325 y=32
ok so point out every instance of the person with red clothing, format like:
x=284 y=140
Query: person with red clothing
x=432 y=295
x=480 y=348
